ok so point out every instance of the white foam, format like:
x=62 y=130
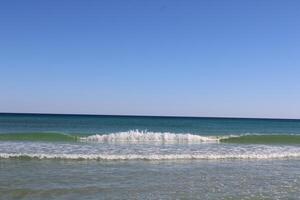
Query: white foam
x=108 y=150
x=145 y=136
x=289 y=155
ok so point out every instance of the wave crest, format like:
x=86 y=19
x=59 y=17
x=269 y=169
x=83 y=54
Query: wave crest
x=136 y=136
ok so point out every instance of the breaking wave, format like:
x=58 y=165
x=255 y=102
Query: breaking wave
x=143 y=145
x=144 y=137
x=136 y=136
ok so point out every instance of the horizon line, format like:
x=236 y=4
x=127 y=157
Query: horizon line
x=162 y=116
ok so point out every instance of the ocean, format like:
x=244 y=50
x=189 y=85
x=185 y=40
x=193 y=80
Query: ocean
x=49 y=156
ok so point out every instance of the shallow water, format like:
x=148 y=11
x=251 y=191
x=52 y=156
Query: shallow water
x=230 y=179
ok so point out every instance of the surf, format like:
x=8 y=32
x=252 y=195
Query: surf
x=137 y=136
x=152 y=157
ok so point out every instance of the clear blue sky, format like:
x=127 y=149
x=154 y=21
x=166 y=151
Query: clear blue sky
x=161 y=57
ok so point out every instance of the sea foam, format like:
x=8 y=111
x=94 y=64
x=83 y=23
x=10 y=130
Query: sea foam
x=284 y=155
x=143 y=145
x=145 y=137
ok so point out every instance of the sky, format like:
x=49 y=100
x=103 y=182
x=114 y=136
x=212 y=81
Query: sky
x=234 y=58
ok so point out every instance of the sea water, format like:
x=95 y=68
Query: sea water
x=123 y=157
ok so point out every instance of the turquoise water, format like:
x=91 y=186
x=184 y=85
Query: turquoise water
x=122 y=157
x=89 y=124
